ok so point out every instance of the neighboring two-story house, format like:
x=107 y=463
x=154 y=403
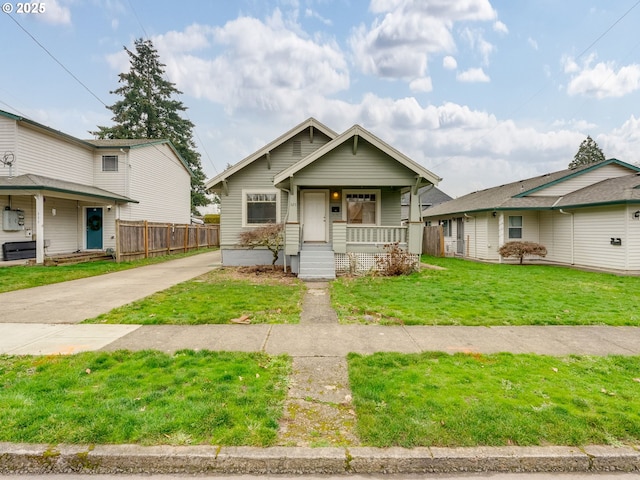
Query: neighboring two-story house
x=65 y=193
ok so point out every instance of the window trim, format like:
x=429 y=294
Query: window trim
x=517 y=227
x=345 y=213
x=111 y=157
x=245 y=192
x=447 y=227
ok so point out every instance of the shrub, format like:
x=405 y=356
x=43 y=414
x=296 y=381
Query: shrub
x=269 y=236
x=396 y=261
x=212 y=218
x=521 y=249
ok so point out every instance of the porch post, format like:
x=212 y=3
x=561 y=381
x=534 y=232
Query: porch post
x=414 y=207
x=39 y=228
x=339 y=239
x=293 y=203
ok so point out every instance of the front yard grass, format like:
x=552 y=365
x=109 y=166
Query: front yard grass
x=437 y=399
x=27 y=276
x=147 y=397
x=216 y=298
x=470 y=293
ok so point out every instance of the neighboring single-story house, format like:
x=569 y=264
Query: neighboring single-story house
x=65 y=194
x=587 y=216
x=339 y=197
x=429 y=196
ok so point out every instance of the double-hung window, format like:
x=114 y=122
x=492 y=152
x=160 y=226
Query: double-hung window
x=515 y=226
x=260 y=207
x=446 y=228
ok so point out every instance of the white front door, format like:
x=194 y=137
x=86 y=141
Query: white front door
x=314 y=216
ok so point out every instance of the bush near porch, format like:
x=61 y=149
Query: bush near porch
x=470 y=293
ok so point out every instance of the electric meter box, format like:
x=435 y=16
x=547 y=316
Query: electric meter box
x=12 y=220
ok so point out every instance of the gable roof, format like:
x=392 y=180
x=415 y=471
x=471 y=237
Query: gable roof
x=100 y=143
x=310 y=122
x=31 y=182
x=517 y=195
x=357 y=130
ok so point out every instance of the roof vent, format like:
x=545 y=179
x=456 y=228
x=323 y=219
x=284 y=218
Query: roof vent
x=297 y=148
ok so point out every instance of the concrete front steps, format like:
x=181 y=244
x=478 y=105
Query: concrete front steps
x=317 y=262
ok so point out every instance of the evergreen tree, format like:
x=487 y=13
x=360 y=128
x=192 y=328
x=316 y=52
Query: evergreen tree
x=589 y=152
x=147 y=110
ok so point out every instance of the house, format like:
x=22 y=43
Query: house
x=60 y=194
x=587 y=216
x=338 y=196
x=428 y=195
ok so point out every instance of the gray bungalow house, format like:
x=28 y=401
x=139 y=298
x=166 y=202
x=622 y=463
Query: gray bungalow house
x=587 y=216
x=339 y=197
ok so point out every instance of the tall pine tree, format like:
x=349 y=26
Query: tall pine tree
x=148 y=110
x=588 y=152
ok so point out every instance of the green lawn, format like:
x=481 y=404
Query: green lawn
x=144 y=397
x=214 y=298
x=27 y=276
x=436 y=399
x=470 y=293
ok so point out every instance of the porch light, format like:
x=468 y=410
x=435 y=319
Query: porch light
x=335 y=195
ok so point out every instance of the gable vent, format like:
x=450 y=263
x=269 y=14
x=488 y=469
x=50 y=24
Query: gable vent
x=297 y=148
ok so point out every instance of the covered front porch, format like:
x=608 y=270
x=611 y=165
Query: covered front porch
x=57 y=217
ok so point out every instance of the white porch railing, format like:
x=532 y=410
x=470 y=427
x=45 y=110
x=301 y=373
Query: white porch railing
x=376 y=235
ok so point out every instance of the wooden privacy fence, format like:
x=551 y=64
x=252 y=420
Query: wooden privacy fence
x=146 y=239
x=433 y=241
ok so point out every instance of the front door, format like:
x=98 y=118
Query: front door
x=94 y=228
x=314 y=216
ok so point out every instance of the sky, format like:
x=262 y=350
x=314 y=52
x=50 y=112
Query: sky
x=479 y=92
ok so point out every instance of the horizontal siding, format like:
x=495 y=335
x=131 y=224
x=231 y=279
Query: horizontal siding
x=7 y=142
x=27 y=205
x=632 y=243
x=115 y=182
x=592 y=238
x=44 y=154
x=159 y=181
x=62 y=230
x=555 y=235
x=257 y=176
x=369 y=167
x=584 y=180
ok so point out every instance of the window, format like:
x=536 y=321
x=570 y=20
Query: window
x=261 y=208
x=109 y=163
x=515 y=226
x=446 y=227
x=362 y=208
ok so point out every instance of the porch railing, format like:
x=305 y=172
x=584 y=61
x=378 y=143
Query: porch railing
x=377 y=235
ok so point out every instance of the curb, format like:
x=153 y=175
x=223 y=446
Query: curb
x=135 y=459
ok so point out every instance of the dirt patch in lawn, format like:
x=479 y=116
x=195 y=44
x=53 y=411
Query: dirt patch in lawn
x=257 y=274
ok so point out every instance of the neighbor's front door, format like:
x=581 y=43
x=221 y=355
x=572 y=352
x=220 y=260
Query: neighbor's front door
x=314 y=216
x=94 y=228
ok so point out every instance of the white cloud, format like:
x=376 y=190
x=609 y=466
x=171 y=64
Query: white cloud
x=622 y=143
x=477 y=42
x=309 y=13
x=449 y=63
x=500 y=27
x=249 y=63
x=473 y=75
x=405 y=32
x=55 y=13
x=602 y=80
x=532 y=43
x=421 y=85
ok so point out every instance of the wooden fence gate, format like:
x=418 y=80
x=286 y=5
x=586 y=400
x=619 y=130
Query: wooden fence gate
x=146 y=239
x=433 y=241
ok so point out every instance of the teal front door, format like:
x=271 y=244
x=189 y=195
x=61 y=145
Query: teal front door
x=94 y=228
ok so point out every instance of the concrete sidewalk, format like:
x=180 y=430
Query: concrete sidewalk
x=323 y=340
x=77 y=300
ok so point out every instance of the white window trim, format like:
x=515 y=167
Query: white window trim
x=117 y=163
x=378 y=205
x=244 y=205
x=521 y=227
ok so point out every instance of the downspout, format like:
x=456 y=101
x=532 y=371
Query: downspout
x=572 y=228
x=475 y=235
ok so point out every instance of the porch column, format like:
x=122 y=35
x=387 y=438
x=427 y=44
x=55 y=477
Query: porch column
x=414 y=237
x=339 y=239
x=415 y=215
x=39 y=228
x=293 y=203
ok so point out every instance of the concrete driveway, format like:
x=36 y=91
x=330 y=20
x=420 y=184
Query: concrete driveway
x=77 y=300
